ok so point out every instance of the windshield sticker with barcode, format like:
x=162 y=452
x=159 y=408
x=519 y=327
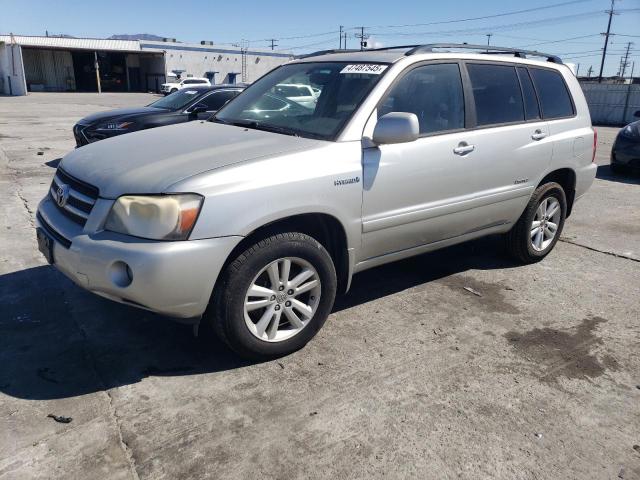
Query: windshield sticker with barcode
x=368 y=68
x=191 y=92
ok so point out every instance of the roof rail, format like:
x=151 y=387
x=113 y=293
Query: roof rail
x=326 y=52
x=430 y=47
x=486 y=49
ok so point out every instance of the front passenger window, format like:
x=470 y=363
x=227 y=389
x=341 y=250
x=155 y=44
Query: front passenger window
x=433 y=93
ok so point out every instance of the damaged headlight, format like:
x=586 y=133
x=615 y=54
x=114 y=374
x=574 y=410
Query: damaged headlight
x=156 y=217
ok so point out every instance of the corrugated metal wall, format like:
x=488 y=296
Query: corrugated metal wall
x=612 y=104
x=49 y=70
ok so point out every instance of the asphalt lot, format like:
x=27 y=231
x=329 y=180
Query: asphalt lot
x=412 y=376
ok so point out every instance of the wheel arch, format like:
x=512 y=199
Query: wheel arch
x=325 y=228
x=566 y=177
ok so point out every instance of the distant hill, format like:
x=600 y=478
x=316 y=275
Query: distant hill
x=136 y=36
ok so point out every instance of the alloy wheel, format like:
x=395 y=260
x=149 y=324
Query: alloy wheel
x=282 y=299
x=545 y=223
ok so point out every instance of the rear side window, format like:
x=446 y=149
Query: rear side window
x=554 y=96
x=496 y=92
x=531 y=108
x=433 y=93
x=216 y=100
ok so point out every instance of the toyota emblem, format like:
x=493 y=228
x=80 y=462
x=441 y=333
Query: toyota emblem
x=62 y=195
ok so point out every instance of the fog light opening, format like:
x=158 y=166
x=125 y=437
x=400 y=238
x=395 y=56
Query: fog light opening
x=121 y=274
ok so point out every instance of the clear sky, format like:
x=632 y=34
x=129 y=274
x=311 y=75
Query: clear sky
x=569 y=28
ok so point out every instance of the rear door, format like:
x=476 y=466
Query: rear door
x=513 y=144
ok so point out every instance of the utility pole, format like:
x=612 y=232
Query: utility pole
x=606 y=41
x=97 y=65
x=273 y=42
x=590 y=71
x=625 y=62
x=341 y=28
x=363 y=38
x=489 y=35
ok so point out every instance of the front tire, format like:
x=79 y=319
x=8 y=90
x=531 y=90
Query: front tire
x=539 y=227
x=274 y=297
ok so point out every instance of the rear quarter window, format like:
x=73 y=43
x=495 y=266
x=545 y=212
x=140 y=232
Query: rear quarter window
x=555 y=99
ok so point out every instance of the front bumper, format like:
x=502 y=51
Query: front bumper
x=626 y=152
x=171 y=278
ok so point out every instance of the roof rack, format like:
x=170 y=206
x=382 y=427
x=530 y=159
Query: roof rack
x=327 y=52
x=486 y=49
x=430 y=47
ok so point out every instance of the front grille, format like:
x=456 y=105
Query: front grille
x=80 y=200
x=78 y=133
x=64 y=241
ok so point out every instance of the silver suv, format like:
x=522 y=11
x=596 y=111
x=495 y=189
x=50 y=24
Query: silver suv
x=256 y=218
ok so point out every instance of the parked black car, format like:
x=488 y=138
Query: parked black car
x=182 y=106
x=625 y=154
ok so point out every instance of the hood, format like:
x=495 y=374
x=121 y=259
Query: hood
x=120 y=113
x=150 y=161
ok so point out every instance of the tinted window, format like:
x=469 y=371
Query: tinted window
x=496 y=93
x=554 y=97
x=531 y=108
x=177 y=100
x=216 y=100
x=433 y=93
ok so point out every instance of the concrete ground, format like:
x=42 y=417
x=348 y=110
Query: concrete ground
x=412 y=376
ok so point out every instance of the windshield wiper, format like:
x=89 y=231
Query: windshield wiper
x=260 y=126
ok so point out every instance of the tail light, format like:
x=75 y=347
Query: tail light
x=595 y=144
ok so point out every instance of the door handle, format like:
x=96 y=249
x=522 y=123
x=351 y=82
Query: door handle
x=463 y=148
x=538 y=135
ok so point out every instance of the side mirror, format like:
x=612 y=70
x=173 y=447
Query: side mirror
x=396 y=127
x=198 y=108
x=637 y=114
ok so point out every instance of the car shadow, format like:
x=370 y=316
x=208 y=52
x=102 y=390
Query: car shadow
x=59 y=341
x=605 y=173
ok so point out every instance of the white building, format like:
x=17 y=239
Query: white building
x=55 y=64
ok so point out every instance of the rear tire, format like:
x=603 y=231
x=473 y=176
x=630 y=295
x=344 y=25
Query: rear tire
x=539 y=227
x=274 y=296
x=173 y=90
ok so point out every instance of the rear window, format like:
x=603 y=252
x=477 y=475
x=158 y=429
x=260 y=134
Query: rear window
x=554 y=96
x=496 y=92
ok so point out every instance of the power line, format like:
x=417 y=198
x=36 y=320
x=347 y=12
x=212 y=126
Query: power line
x=508 y=26
x=485 y=17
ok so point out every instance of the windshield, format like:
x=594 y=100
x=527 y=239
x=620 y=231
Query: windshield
x=307 y=99
x=177 y=100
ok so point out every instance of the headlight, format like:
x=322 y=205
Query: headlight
x=159 y=217
x=631 y=130
x=116 y=126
